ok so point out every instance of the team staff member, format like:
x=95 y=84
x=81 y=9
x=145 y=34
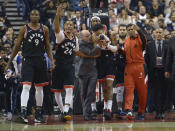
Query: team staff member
x=34 y=38
x=88 y=75
x=134 y=76
x=155 y=58
x=170 y=65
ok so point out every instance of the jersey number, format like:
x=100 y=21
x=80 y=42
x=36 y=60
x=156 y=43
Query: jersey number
x=36 y=42
x=68 y=51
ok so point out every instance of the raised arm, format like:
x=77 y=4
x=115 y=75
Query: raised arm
x=57 y=19
x=142 y=36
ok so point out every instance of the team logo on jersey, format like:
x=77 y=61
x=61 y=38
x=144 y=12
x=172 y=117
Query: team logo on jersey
x=36 y=37
x=68 y=48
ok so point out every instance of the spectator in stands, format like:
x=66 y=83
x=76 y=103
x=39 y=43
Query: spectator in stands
x=2 y=79
x=124 y=18
x=113 y=22
x=171 y=25
x=18 y=2
x=170 y=8
x=50 y=12
x=161 y=24
x=3 y=8
x=8 y=38
x=156 y=9
x=78 y=20
x=70 y=13
x=2 y=29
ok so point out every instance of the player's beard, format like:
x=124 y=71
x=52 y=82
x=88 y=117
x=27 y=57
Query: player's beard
x=122 y=37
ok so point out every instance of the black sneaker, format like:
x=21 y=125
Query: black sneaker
x=107 y=114
x=140 y=117
x=128 y=114
x=62 y=116
x=23 y=116
x=39 y=117
x=87 y=118
x=94 y=115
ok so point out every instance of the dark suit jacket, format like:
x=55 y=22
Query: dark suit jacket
x=87 y=66
x=150 y=57
x=170 y=59
x=170 y=27
x=82 y=21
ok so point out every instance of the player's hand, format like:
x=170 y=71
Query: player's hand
x=95 y=39
x=167 y=74
x=52 y=66
x=135 y=27
x=103 y=43
x=60 y=10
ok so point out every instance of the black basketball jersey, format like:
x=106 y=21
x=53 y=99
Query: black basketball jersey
x=33 y=42
x=65 y=50
x=120 y=57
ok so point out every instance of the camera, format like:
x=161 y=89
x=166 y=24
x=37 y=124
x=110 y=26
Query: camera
x=102 y=37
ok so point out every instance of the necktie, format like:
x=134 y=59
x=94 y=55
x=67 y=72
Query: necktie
x=159 y=52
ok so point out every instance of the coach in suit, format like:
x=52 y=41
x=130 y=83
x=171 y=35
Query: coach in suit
x=88 y=75
x=170 y=67
x=156 y=58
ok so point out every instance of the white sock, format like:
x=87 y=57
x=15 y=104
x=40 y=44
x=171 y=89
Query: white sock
x=39 y=96
x=59 y=100
x=25 y=95
x=68 y=97
x=93 y=106
x=120 y=109
x=66 y=108
x=105 y=105
x=109 y=104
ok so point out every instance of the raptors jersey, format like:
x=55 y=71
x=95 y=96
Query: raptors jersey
x=65 y=50
x=33 y=42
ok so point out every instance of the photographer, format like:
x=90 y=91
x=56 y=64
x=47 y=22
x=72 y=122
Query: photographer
x=6 y=80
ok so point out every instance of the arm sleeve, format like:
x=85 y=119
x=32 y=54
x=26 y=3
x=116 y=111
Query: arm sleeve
x=89 y=52
x=143 y=38
x=169 y=59
x=60 y=37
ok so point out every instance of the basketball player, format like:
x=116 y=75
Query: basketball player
x=120 y=64
x=34 y=39
x=105 y=74
x=63 y=75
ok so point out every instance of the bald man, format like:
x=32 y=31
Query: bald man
x=88 y=75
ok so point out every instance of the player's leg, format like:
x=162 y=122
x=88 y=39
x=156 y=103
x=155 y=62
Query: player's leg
x=129 y=85
x=27 y=76
x=40 y=80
